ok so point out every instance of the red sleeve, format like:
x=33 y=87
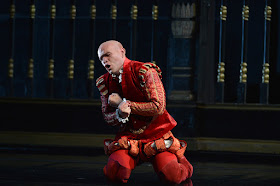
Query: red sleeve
x=108 y=112
x=109 y=116
x=155 y=94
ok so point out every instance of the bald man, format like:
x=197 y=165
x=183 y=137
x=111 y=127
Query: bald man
x=133 y=99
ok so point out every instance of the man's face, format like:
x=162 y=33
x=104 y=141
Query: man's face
x=112 y=57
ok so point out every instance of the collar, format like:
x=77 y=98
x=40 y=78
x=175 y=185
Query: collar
x=119 y=76
x=126 y=60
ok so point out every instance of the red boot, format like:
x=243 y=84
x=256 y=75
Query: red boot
x=119 y=166
x=183 y=160
x=116 y=173
x=171 y=171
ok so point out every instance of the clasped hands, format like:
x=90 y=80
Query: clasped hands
x=116 y=101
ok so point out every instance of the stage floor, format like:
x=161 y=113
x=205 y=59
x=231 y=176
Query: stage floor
x=60 y=169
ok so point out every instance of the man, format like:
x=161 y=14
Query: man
x=133 y=98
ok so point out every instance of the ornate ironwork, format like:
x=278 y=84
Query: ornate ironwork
x=11 y=60
x=264 y=86
x=11 y=68
x=245 y=13
x=93 y=12
x=268 y=13
x=134 y=12
x=53 y=11
x=243 y=73
x=265 y=73
x=73 y=12
x=223 y=13
x=71 y=69
x=114 y=11
x=32 y=11
x=91 y=69
x=12 y=11
x=31 y=68
x=155 y=12
x=221 y=72
x=51 y=69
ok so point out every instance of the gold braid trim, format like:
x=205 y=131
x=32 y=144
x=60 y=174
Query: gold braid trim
x=100 y=83
x=145 y=68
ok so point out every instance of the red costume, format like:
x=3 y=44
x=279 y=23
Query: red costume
x=145 y=136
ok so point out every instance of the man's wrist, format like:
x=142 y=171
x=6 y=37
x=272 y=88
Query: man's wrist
x=120 y=119
x=123 y=100
x=118 y=113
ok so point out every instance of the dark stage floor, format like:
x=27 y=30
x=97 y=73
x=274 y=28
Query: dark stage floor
x=32 y=169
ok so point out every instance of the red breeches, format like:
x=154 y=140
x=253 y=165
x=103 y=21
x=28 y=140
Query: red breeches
x=167 y=166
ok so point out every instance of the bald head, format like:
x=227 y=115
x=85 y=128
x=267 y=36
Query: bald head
x=112 y=55
x=111 y=43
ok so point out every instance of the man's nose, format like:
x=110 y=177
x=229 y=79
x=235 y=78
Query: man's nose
x=105 y=60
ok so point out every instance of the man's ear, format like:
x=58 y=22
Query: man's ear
x=123 y=52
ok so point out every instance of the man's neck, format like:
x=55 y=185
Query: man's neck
x=118 y=74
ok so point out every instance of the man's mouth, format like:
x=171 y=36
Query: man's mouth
x=107 y=67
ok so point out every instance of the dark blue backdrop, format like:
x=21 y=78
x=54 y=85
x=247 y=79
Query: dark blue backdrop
x=82 y=44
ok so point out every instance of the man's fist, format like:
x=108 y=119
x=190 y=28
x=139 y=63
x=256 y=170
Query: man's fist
x=124 y=109
x=114 y=100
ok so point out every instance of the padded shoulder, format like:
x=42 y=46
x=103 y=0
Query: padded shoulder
x=144 y=68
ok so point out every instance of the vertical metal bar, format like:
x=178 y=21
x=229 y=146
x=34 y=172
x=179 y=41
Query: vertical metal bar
x=264 y=87
x=71 y=63
x=222 y=46
x=154 y=31
x=51 y=50
x=90 y=80
x=114 y=19
x=10 y=91
x=133 y=33
x=242 y=86
x=29 y=84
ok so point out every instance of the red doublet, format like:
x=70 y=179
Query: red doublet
x=149 y=119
